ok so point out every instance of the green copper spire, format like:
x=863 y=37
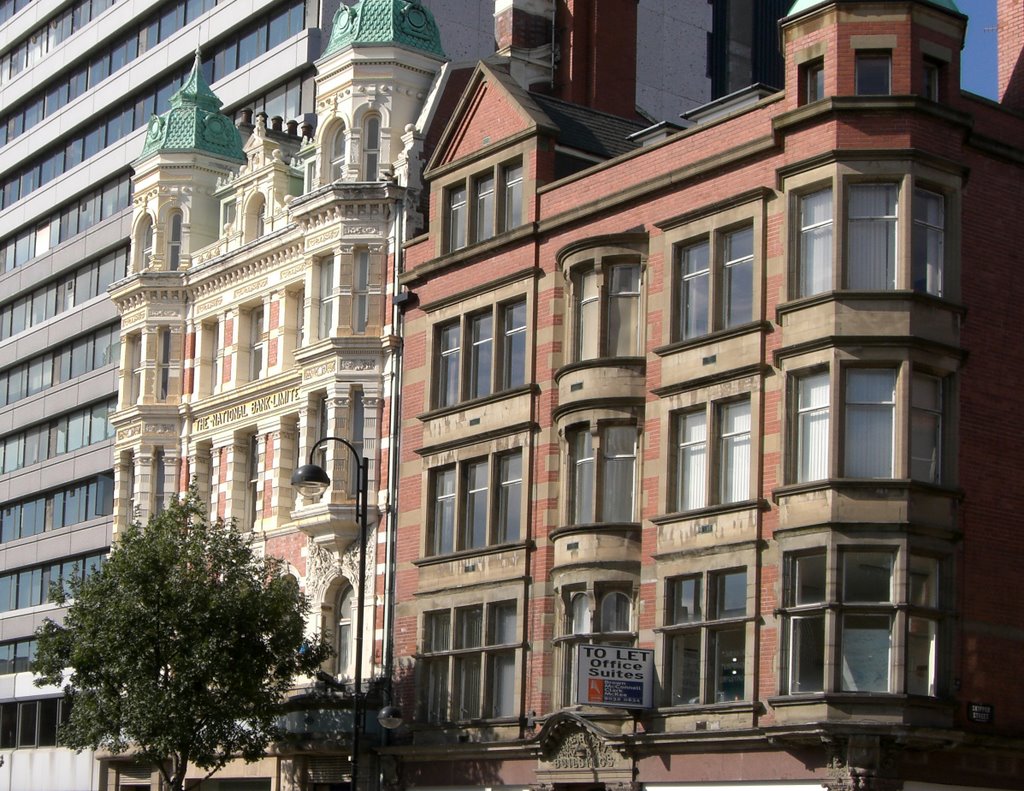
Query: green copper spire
x=404 y=22
x=194 y=123
x=806 y=5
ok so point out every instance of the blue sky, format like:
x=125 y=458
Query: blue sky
x=978 y=66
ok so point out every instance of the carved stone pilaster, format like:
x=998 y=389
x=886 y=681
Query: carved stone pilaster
x=862 y=762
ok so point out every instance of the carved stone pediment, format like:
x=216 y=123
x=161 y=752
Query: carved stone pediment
x=574 y=750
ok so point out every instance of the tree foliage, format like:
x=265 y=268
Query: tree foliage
x=180 y=648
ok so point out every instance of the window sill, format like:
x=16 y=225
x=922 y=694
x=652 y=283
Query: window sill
x=465 y=554
x=738 y=706
x=593 y=527
x=711 y=510
x=471 y=250
x=861 y=484
x=632 y=361
x=895 y=295
x=493 y=398
x=712 y=337
x=881 y=698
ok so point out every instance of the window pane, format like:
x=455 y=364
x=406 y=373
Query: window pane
x=730 y=589
x=503 y=624
x=457 y=218
x=27 y=713
x=812 y=427
x=437 y=690
x=588 y=328
x=514 y=352
x=734 y=422
x=484 y=207
x=503 y=685
x=474 y=526
x=816 y=243
x=444 y=512
x=513 y=197
x=807 y=654
x=615 y=612
x=466 y=694
x=684 y=670
x=738 y=278
x=691 y=461
x=510 y=471
x=921 y=647
x=623 y=310
x=865 y=655
x=448 y=367
x=872 y=74
x=693 y=290
x=928 y=242
x=924 y=582
x=808 y=583
x=469 y=628
x=926 y=428
x=727 y=648
x=583 y=477
x=619 y=452
x=870 y=417
x=872 y=231
x=684 y=601
x=480 y=360
x=867 y=576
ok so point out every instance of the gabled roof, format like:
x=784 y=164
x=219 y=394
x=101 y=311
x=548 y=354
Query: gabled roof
x=800 y=6
x=573 y=126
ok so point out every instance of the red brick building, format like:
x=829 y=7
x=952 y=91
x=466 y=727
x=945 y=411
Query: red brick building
x=740 y=395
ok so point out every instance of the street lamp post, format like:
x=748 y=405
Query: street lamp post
x=312 y=480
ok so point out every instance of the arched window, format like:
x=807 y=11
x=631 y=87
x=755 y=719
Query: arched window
x=371 y=147
x=338 y=154
x=144 y=239
x=174 y=242
x=255 y=218
x=616 y=610
x=343 y=649
x=579 y=614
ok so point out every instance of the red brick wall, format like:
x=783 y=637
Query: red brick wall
x=1011 y=41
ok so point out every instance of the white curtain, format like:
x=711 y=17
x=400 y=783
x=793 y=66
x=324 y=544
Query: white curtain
x=816 y=243
x=872 y=242
x=618 y=445
x=691 y=461
x=812 y=427
x=735 y=452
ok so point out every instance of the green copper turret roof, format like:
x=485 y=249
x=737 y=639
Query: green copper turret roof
x=194 y=123
x=806 y=5
x=404 y=22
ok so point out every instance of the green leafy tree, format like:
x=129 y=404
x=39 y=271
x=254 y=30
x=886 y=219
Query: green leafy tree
x=180 y=648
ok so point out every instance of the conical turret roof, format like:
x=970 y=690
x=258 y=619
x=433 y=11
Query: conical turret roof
x=194 y=122
x=368 y=22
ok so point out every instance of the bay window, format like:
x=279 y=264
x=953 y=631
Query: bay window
x=815 y=251
x=928 y=243
x=873 y=73
x=850 y=624
x=606 y=308
x=476 y=503
x=602 y=470
x=325 y=312
x=470 y=651
x=705 y=634
x=719 y=474
x=609 y=623
x=871 y=243
x=870 y=423
x=926 y=428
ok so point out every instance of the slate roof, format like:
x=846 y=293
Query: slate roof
x=592 y=131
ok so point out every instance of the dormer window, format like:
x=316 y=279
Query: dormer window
x=874 y=73
x=813 y=80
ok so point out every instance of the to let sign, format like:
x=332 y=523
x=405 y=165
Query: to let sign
x=608 y=675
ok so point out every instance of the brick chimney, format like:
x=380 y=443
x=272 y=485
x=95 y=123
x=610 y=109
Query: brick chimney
x=596 y=64
x=1011 y=43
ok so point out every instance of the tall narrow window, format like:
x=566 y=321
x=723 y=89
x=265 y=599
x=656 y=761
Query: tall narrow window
x=926 y=428
x=257 y=343
x=371 y=148
x=443 y=528
x=164 y=372
x=738 y=278
x=299 y=303
x=474 y=520
x=513 y=198
x=872 y=237
x=618 y=452
x=252 y=469
x=805 y=648
x=159 y=486
x=930 y=72
x=510 y=488
x=338 y=155
x=582 y=448
x=357 y=436
x=623 y=309
x=514 y=347
x=814 y=81
x=174 y=242
x=502 y=683
x=928 y=243
x=481 y=354
x=325 y=313
x=135 y=368
x=812 y=421
x=212 y=342
x=691 y=461
x=588 y=315
x=260 y=220
x=448 y=364
x=870 y=422
x=343 y=648
x=815 y=243
x=146 y=237
x=866 y=636
x=483 y=207
x=734 y=452
x=466 y=666
x=456 y=218
x=360 y=291
x=694 y=274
